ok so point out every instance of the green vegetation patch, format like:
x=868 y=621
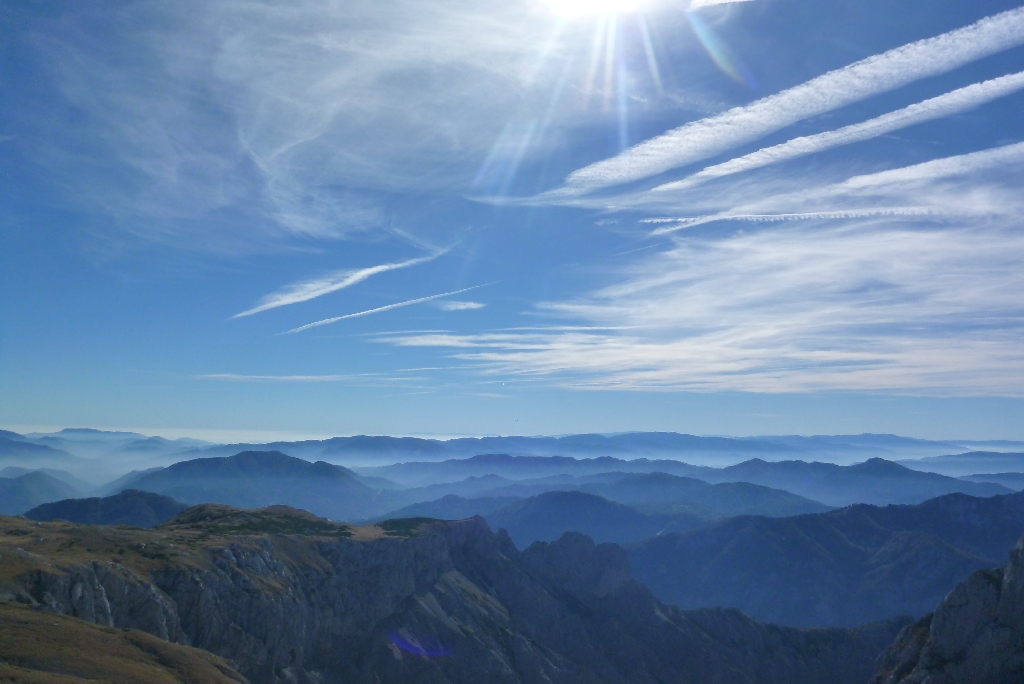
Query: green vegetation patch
x=404 y=527
x=226 y=521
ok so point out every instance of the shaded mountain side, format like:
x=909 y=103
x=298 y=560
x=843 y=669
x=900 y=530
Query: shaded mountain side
x=547 y=516
x=844 y=567
x=130 y=507
x=19 y=494
x=876 y=481
x=975 y=635
x=126 y=481
x=406 y=601
x=263 y=478
x=453 y=507
x=42 y=648
x=971 y=462
x=1014 y=481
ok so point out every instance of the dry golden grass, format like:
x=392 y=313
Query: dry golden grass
x=43 y=648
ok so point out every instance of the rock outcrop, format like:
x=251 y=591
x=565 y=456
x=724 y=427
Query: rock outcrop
x=975 y=636
x=406 y=601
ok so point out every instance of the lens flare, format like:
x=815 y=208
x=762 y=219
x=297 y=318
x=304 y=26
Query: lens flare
x=426 y=646
x=723 y=56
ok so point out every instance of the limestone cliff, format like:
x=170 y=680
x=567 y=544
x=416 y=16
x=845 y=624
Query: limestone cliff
x=975 y=636
x=291 y=598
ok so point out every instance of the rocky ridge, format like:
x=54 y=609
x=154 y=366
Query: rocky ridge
x=975 y=636
x=288 y=597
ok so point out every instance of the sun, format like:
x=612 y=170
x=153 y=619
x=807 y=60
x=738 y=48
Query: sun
x=588 y=8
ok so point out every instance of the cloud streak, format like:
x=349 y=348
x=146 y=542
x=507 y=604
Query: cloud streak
x=338 y=280
x=806 y=308
x=379 y=309
x=949 y=104
x=872 y=76
x=460 y=306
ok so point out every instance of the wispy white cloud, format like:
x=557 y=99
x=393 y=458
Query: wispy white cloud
x=460 y=306
x=380 y=309
x=960 y=165
x=332 y=282
x=223 y=122
x=683 y=223
x=977 y=184
x=806 y=308
x=949 y=104
x=872 y=76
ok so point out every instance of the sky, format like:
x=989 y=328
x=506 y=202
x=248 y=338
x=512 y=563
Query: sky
x=457 y=217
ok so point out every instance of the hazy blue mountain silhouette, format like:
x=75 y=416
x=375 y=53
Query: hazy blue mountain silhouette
x=130 y=507
x=19 y=494
x=875 y=481
x=451 y=507
x=664 y=492
x=254 y=479
x=653 y=493
x=382 y=449
x=1014 y=481
x=548 y=516
x=422 y=473
x=970 y=463
x=80 y=485
x=844 y=567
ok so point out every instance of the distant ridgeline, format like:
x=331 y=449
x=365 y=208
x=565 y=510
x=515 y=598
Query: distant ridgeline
x=866 y=562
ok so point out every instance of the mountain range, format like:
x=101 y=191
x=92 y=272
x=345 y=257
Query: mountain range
x=287 y=597
x=363 y=450
x=970 y=463
x=875 y=481
x=844 y=567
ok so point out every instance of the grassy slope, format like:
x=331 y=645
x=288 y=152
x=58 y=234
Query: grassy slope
x=43 y=648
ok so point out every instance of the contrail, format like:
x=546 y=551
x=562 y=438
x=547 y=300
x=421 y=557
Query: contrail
x=877 y=74
x=804 y=216
x=954 y=102
x=379 y=309
x=339 y=280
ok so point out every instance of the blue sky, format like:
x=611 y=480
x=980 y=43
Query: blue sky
x=244 y=218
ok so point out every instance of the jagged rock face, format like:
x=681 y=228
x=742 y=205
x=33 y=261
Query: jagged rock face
x=975 y=636
x=452 y=604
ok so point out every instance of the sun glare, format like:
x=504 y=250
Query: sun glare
x=589 y=8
